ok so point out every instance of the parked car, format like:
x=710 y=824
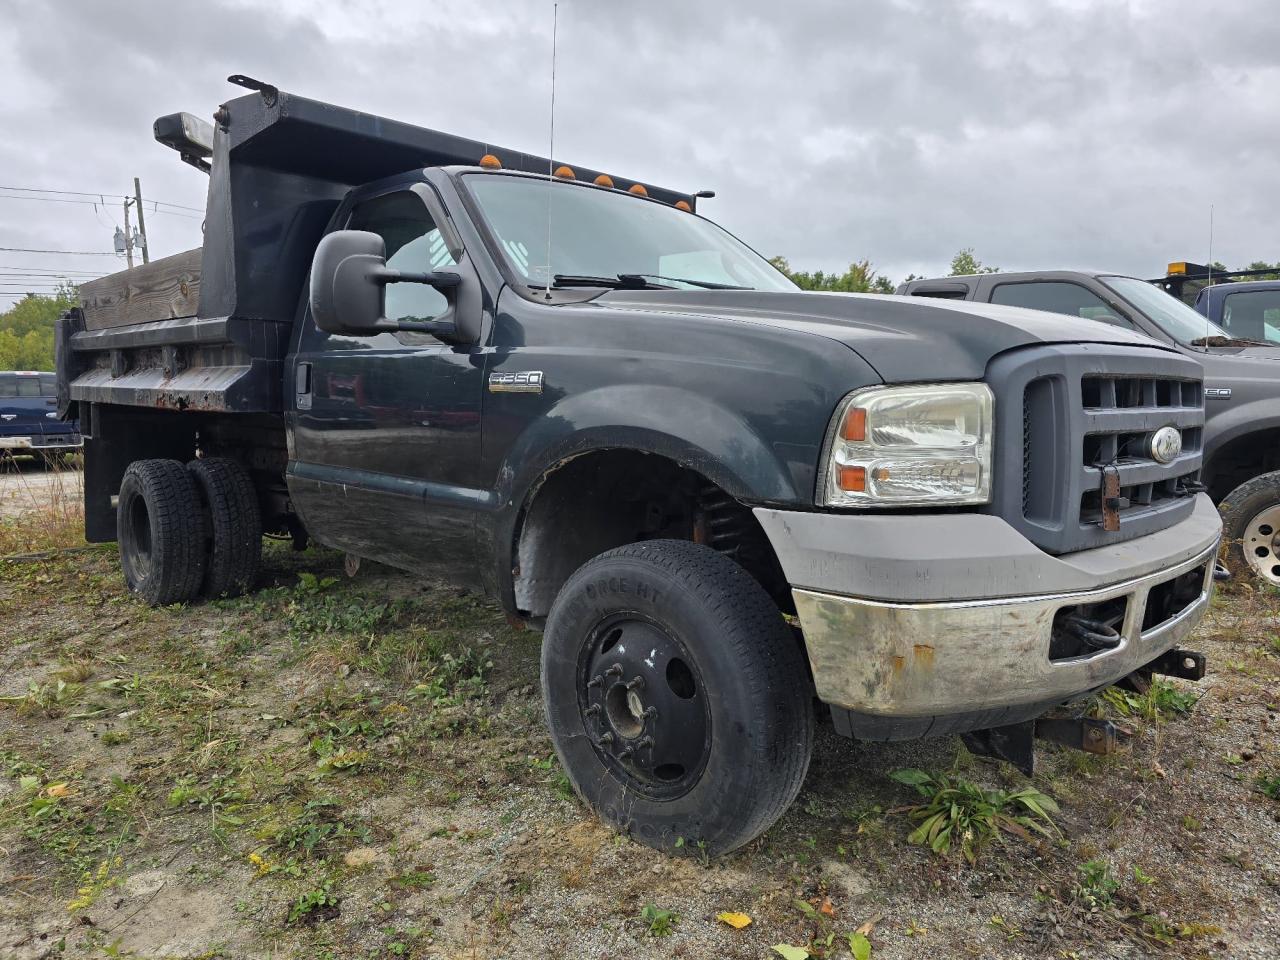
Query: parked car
x=1241 y=378
x=1248 y=310
x=29 y=421
x=575 y=393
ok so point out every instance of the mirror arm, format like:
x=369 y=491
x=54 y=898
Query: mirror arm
x=437 y=279
x=443 y=329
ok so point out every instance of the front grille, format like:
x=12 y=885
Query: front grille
x=1078 y=411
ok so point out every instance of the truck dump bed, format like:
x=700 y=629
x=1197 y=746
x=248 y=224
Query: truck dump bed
x=208 y=329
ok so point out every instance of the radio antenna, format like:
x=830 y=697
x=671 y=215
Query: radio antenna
x=1209 y=282
x=551 y=149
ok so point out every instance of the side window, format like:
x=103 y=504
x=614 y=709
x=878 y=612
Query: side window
x=1056 y=296
x=414 y=244
x=1254 y=315
x=28 y=386
x=8 y=386
x=48 y=385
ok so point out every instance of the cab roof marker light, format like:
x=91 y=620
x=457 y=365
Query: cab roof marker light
x=490 y=162
x=1178 y=269
x=684 y=205
x=604 y=180
x=638 y=189
x=565 y=173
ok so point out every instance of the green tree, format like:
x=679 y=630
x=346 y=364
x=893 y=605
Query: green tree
x=965 y=264
x=1263 y=265
x=26 y=329
x=859 y=278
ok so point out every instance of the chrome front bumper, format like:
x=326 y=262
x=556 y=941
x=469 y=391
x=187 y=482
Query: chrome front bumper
x=924 y=659
x=57 y=442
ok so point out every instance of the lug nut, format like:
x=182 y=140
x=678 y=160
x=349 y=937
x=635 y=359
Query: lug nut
x=636 y=684
x=625 y=752
x=595 y=681
x=592 y=710
x=644 y=742
x=614 y=671
x=649 y=713
x=605 y=739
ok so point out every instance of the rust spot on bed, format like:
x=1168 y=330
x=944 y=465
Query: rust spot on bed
x=924 y=655
x=898 y=664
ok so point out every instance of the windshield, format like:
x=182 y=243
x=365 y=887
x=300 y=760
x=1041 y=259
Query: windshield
x=1168 y=312
x=601 y=234
x=1253 y=315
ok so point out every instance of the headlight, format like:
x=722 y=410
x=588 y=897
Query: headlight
x=927 y=445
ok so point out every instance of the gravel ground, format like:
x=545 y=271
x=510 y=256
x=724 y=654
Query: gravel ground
x=27 y=485
x=357 y=768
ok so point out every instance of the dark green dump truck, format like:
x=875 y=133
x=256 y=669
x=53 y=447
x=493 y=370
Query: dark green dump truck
x=720 y=498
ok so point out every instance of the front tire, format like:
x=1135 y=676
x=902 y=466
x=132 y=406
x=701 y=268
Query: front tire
x=160 y=532
x=1251 y=527
x=678 y=700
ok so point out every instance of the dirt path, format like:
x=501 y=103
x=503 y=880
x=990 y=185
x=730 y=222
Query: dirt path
x=27 y=486
x=358 y=769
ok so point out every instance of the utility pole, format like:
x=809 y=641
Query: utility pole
x=142 y=226
x=128 y=237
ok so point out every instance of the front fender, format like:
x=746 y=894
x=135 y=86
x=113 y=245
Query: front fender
x=1236 y=422
x=668 y=421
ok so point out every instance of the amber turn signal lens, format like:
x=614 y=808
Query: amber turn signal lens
x=855 y=425
x=604 y=180
x=853 y=479
x=638 y=190
x=490 y=162
x=566 y=173
x=684 y=205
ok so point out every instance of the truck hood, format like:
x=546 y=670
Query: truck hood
x=903 y=338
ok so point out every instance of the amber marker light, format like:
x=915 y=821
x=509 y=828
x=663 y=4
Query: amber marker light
x=604 y=180
x=566 y=173
x=855 y=425
x=684 y=205
x=490 y=162
x=852 y=479
x=639 y=190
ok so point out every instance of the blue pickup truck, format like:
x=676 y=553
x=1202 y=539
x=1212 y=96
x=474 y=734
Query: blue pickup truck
x=1249 y=310
x=29 y=415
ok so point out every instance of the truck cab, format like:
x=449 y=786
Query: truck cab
x=1241 y=466
x=29 y=421
x=1248 y=310
x=572 y=392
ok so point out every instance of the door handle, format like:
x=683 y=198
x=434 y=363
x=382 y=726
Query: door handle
x=302 y=384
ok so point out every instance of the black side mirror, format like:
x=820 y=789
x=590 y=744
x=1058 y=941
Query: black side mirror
x=349 y=275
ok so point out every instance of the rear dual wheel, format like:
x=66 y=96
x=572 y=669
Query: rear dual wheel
x=678 y=701
x=187 y=531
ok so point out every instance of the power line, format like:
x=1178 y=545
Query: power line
x=69 y=253
x=95 y=204
x=101 y=195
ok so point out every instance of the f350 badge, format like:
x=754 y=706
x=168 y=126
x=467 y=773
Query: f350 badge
x=527 y=381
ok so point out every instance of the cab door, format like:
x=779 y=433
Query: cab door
x=385 y=429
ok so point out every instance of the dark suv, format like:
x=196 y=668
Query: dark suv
x=29 y=415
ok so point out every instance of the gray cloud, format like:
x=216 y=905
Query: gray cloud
x=1048 y=134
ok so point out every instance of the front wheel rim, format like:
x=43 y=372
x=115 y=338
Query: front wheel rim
x=643 y=706
x=1261 y=544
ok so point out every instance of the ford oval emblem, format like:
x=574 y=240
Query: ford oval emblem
x=1166 y=444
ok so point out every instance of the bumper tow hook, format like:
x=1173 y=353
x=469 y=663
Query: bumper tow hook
x=1092 y=633
x=1015 y=743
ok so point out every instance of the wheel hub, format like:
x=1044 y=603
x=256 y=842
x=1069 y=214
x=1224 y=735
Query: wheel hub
x=643 y=706
x=1261 y=544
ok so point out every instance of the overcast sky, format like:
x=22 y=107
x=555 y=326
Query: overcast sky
x=1042 y=134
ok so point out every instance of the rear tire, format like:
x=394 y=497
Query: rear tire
x=233 y=527
x=160 y=532
x=678 y=700
x=1251 y=527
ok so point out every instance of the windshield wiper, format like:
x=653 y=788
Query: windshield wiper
x=630 y=281
x=704 y=284
x=1217 y=341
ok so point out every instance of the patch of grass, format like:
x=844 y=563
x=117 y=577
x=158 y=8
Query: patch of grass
x=1161 y=702
x=1268 y=786
x=318 y=903
x=1096 y=887
x=959 y=812
x=661 y=923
